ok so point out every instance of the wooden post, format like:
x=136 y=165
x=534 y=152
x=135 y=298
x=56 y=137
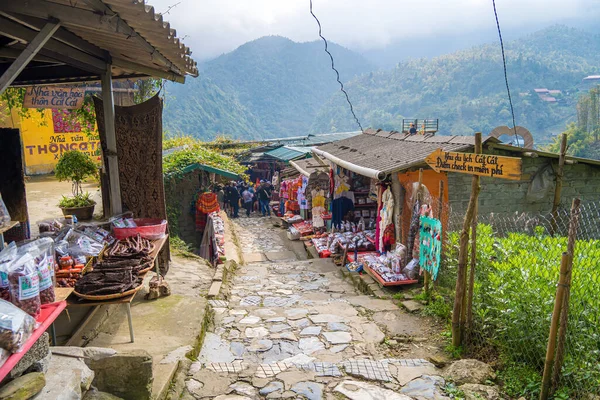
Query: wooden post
x=426 y=275
x=564 y=317
x=468 y=294
x=559 y=182
x=462 y=257
x=469 y=303
x=440 y=216
x=111 y=142
x=558 y=301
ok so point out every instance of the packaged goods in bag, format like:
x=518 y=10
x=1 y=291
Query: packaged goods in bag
x=24 y=285
x=7 y=256
x=412 y=269
x=15 y=327
x=42 y=251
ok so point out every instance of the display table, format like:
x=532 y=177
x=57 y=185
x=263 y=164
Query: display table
x=383 y=282
x=49 y=313
x=361 y=255
x=75 y=301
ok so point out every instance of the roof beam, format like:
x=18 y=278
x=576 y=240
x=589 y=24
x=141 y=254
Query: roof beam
x=117 y=62
x=17 y=31
x=62 y=35
x=103 y=19
x=51 y=74
x=12 y=53
x=27 y=55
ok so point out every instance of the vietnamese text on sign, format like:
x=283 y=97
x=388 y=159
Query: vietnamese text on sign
x=476 y=164
x=53 y=97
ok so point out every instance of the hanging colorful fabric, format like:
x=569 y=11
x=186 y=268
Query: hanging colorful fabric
x=430 y=245
x=389 y=237
x=207 y=203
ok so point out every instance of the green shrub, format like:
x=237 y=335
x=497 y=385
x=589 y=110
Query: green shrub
x=75 y=166
x=80 y=200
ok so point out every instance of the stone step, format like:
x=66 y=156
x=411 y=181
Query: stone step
x=386 y=370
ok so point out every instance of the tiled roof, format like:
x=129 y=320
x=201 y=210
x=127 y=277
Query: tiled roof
x=388 y=152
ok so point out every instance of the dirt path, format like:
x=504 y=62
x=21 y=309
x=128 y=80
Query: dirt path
x=43 y=194
x=297 y=329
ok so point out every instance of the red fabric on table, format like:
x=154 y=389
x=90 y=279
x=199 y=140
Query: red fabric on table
x=47 y=316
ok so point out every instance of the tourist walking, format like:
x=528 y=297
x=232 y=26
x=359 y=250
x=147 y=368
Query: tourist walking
x=247 y=198
x=234 y=200
x=264 y=197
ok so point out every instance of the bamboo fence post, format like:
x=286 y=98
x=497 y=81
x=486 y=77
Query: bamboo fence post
x=560 y=291
x=559 y=182
x=462 y=257
x=564 y=317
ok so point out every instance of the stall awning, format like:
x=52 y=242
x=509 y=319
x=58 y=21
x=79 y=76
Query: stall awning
x=308 y=166
x=287 y=153
x=377 y=153
x=78 y=39
x=214 y=170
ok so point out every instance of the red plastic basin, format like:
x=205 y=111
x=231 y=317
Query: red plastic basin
x=149 y=228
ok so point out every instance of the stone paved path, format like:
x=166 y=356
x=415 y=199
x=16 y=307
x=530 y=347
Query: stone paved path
x=296 y=329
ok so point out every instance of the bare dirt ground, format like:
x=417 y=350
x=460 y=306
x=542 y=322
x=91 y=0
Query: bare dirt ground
x=43 y=194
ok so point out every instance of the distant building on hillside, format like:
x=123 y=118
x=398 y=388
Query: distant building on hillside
x=590 y=81
x=548 y=99
x=548 y=95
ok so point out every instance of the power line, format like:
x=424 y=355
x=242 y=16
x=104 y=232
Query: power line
x=512 y=110
x=333 y=68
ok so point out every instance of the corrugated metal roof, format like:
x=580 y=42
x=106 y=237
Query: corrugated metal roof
x=314 y=140
x=208 y=168
x=392 y=151
x=309 y=165
x=287 y=153
x=132 y=33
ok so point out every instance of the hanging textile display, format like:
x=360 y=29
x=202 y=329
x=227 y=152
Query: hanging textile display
x=213 y=239
x=318 y=208
x=430 y=248
x=386 y=214
x=339 y=208
x=206 y=204
x=139 y=135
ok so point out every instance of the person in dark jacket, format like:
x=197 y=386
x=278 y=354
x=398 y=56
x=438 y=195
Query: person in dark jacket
x=264 y=196
x=234 y=200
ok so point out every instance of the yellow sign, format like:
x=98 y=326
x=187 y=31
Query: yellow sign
x=46 y=136
x=53 y=97
x=476 y=164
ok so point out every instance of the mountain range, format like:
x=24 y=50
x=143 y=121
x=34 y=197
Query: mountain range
x=274 y=87
x=270 y=87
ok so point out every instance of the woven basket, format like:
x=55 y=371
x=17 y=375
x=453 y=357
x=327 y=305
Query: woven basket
x=108 y=296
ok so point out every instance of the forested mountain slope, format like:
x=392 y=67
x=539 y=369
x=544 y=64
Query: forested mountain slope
x=466 y=89
x=269 y=87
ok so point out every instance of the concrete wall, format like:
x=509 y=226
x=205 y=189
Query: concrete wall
x=503 y=196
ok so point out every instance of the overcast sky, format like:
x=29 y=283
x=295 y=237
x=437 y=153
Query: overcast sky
x=213 y=27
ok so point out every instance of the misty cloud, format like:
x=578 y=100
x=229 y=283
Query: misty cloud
x=213 y=27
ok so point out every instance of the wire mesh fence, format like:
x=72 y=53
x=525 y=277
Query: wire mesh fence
x=518 y=260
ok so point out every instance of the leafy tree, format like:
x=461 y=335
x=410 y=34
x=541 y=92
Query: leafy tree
x=583 y=136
